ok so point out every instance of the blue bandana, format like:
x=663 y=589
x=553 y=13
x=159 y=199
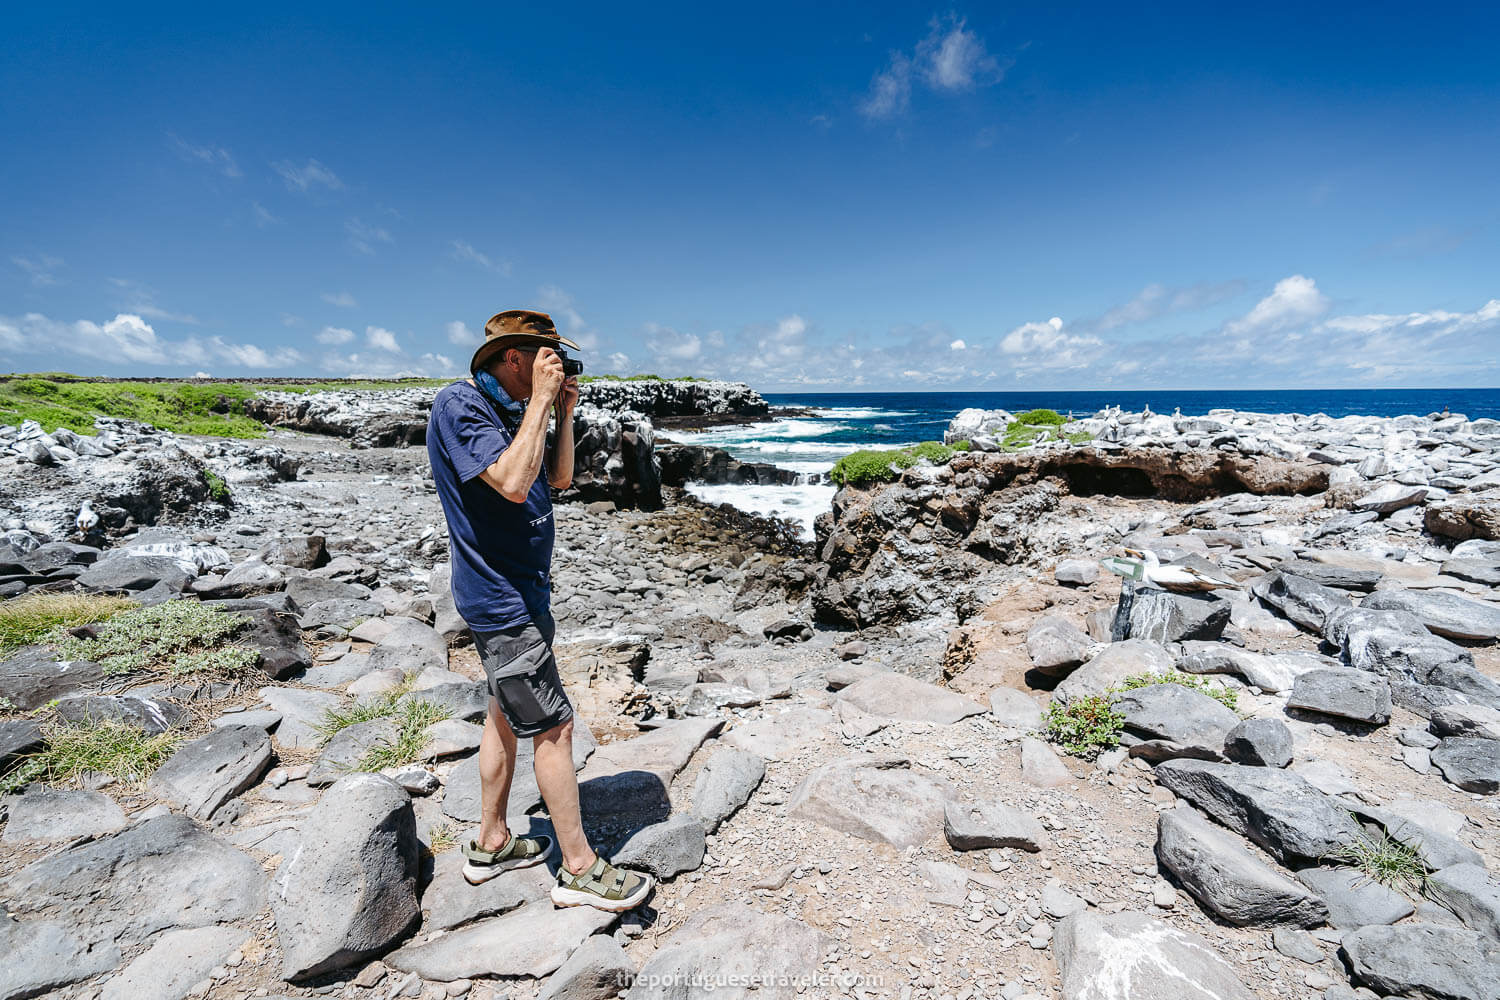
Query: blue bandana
x=490 y=386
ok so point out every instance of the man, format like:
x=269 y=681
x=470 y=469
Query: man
x=487 y=440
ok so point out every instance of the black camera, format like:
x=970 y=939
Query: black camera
x=572 y=367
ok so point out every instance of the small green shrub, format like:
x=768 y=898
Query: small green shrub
x=1226 y=696
x=874 y=466
x=33 y=617
x=1085 y=727
x=108 y=747
x=1041 y=418
x=218 y=490
x=174 y=637
x=1078 y=437
x=962 y=445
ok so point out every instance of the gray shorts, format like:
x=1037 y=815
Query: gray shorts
x=522 y=674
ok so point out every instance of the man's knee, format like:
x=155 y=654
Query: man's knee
x=560 y=733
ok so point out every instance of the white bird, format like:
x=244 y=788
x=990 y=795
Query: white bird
x=1146 y=568
x=87 y=520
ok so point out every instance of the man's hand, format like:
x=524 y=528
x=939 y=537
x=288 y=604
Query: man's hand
x=546 y=375
x=567 y=398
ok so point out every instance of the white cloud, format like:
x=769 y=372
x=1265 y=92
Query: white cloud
x=254 y=356
x=890 y=89
x=955 y=58
x=341 y=299
x=140 y=299
x=307 y=177
x=334 y=335
x=213 y=156
x=1294 y=300
x=1048 y=345
x=1156 y=300
x=460 y=334
x=363 y=236
x=559 y=305
x=670 y=346
x=202 y=375
x=381 y=339
x=128 y=339
x=263 y=217
x=957 y=345
x=290 y=319
x=465 y=252
x=42 y=270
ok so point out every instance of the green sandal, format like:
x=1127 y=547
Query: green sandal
x=518 y=852
x=603 y=886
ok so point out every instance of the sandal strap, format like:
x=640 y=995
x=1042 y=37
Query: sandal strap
x=515 y=847
x=601 y=878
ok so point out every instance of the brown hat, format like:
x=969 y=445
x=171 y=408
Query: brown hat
x=517 y=328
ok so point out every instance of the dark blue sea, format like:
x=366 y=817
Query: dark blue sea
x=834 y=424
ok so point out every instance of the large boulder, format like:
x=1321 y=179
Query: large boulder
x=1130 y=956
x=732 y=952
x=1277 y=809
x=1444 y=614
x=1056 y=645
x=1113 y=664
x=1463 y=518
x=43 y=955
x=1169 y=720
x=1396 y=645
x=207 y=772
x=1470 y=763
x=1346 y=694
x=40 y=814
x=725 y=783
x=1227 y=878
x=1260 y=743
x=875 y=798
x=1162 y=616
x=1424 y=960
x=350 y=890
x=1353 y=898
x=1304 y=602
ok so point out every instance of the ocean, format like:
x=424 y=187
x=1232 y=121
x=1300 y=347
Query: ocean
x=838 y=423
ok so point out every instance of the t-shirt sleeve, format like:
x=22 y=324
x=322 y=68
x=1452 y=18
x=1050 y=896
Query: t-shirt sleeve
x=471 y=437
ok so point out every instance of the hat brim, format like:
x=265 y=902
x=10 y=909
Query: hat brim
x=490 y=348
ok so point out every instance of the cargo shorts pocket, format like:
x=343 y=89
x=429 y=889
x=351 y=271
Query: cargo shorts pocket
x=533 y=702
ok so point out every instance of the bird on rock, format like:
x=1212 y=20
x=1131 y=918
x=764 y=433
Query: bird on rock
x=1146 y=568
x=87 y=520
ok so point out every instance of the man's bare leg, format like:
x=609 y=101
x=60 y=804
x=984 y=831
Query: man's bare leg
x=559 y=786
x=497 y=765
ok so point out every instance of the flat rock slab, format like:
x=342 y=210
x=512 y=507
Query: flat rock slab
x=1444 y=614
x=18 y=737
x=1130 y=956
x=734 y=952
x=1436 y=848
x=875 y=798
x=1304 y=602
x=1353 y=899
x=301 y=712
x=42 y=955
x=176 y=962
x=348 y=747
x=33 y=676
x=990 y=823
x=41 y=814
x=625 y=785
x=410 y=646
x=1267 y=671
x=597 y=969
x=1478 y=721
x=454 y=738
x=149 y=715
x=1190 y=720
x=775 y=737
x=349 y=890
x=725 y=783
x=1345 y=694
x=897 y=696
x=1278 y=810
x=207 y=772
x=451 y=901
x=1424 y=960
x=1114 y=663
x=1227 y=878
x=534 y=941
x=1470 y=763
x=1469 y=891
x=671 y=847
x=156 y=875
x=1016 y=709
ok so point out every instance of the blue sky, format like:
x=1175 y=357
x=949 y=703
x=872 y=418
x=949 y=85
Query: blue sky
x=852 y=197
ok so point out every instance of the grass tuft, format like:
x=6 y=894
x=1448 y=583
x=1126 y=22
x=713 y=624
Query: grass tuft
x=412 y=718
x=1226 y=696
x=443 y=838
x=1386 y=861
x=108 y=747
x=174 y=637
x=1085 y=727
x=33 y=617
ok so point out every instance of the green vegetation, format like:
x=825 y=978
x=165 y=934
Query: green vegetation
x=108 y=747
x=1226 y=696
x=861 y=467
x=1085 y=727
x=412 y=717
x=1040 y=418
x=962 y=446
x=174 y=637
x=33 y=617
x=218 y=490
x=1385 y=861
x=645 y=377
x=1089 y=726
x=189 y=407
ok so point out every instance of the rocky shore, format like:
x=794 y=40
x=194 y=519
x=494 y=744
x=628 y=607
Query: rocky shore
x=834 y=756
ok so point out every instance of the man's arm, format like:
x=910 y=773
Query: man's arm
x=520 y=463
x=560 y=457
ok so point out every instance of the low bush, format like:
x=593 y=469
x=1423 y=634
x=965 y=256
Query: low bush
x=174 y=637
x=860 y=467
x=1040 y=418
x=112 y=748
x=1085 y=727
x=33 y=617
x=218 y=490
x=1227 y=696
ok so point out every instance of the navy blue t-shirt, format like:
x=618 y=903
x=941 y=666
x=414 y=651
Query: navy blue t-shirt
x=501 y=551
